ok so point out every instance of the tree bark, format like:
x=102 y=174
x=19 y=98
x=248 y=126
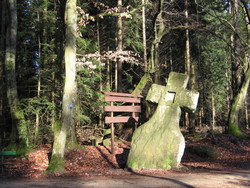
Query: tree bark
x=61 y=129
x=2 y=89
x=240 y=78
x=19 y=135
x=119 y=48
x=144 y=36
x=237 y=106
x=159 y=28
x=237 y=62
x=190 y=71
x=153 y=62
x=38 y=82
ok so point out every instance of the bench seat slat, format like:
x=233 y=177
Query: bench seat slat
x=122 y=94
x=122 y=99
x=6 y=164
x=7 y=153
x=121 y=119
x=122 y=108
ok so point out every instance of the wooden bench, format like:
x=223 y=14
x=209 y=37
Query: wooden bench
x=2 y=155
x=118 y=103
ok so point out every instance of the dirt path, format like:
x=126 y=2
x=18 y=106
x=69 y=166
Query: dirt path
x=213 y=179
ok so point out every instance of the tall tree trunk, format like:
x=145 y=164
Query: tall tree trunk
x=61 y=129
x=2 y=46
x=38 y=82
x=240 y=78
x=247 y=56
x=119 y=48
x=152 y=66
x=190 y=71
x=237 y=62
x=159 y=28
x=144 y=36
x=213 y=111
x=237 y=107
x=19 y=135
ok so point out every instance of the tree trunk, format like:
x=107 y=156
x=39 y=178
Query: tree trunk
x=119 y=48
x=38 y=82
x=187 y=50
x=237 y=107
x=2 y=89
x=213 y=111
x=239 y=78
x=61 y=129
x=140 y=86
x=152 y=65
x=237 y=62
x=144 y=36
x=190 y=118
x=19 y=135
x=159 y=28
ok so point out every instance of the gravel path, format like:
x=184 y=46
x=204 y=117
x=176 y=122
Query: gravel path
x=213 y=179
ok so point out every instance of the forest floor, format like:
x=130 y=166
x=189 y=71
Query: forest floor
x=89 y=161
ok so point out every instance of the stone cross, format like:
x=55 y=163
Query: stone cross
x=175 y=92
x=159 y=143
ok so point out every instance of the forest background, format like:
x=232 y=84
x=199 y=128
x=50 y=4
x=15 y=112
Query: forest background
x=121 y=46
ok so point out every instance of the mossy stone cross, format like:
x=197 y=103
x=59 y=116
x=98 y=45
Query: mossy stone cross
x=175 y=93
x=159 y=143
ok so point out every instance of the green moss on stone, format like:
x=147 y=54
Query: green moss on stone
x=167 y=163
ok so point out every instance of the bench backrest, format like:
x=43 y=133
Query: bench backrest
x=116 y=100
x=7 y=152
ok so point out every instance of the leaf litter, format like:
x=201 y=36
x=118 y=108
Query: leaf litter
x=98 y=160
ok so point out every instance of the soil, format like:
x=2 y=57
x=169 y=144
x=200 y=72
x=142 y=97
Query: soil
x=90 y=161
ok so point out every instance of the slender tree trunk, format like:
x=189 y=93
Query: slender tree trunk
x=38 y=81
x=213 y=111
x=53 y=94
x=171 y=59
x=187 y=50
x=159 y=28
x=19 y=135
x=190 y=71
x=108 y=75
x=119 y=48
x=61 y=129
x=144 y=35
x=246 y=112
x=2 y=89
x=101 y=122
